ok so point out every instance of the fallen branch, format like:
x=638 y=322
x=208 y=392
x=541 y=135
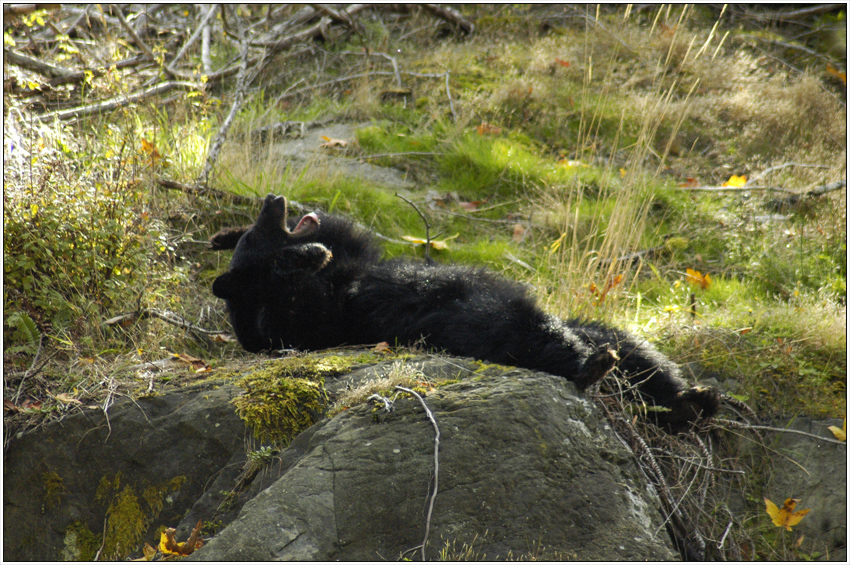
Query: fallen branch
x=77 y=76
x=33 y=64
x=821 y=190
x=436 y=464
x=732 y=424
x=797 y=14
x=238 y=98
x=22 y=9
x=782 y=203
x=135 y=36
x=170 y=317
x=783 y=166
x=206 y=191
x=341 y=17
x=115 y=103
x=450 y=15
x=201 y=27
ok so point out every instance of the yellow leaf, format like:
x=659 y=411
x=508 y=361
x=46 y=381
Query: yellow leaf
x=735 y=181
x=439 y=245
x=785 y=517
x=34 y=209
x=66 y=398
x=411 y=239
x=840 y=75
x=841 y=435
x=696 y=278
x=333 y=142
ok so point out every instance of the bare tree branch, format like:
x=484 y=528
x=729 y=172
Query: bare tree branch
x=238 y=98
x=135 y=36
x=34 y=64
x=450 y=15
x=114 y=103
x=201 y=27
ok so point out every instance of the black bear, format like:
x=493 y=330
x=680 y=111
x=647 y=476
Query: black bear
x=319 y=282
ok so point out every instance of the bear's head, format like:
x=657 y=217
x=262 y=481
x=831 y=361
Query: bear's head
x=261 y=245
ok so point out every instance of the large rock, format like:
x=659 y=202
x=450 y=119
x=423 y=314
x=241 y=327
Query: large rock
x=528 y=467
x=142 y=467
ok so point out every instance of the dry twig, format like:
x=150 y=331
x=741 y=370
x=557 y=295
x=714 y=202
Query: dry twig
x=436 y=464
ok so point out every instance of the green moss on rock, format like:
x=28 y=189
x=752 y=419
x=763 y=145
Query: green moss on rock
x=54 y=488
x=81 y=544
x=288 y=395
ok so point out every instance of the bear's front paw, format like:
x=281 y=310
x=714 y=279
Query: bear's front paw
x=227 y=238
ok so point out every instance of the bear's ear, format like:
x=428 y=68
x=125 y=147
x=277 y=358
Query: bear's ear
x=225 y=286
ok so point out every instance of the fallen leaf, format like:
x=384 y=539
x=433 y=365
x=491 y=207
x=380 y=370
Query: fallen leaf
x=330 y=142
x=488 y=129
x=744 y=331
x=8 y=405
x=167 y=543
x=153 y=153
x=841 y=434
x=148 y=553
x=668 y=31
x=29 y=404
x=439 y=245
x=785 y=516
x=690 y=181
x=696 y=278
x=519 y=232
x=471 y=206
x=222 y=338
x=840 y=75
x=382 y=347
x=735 y=181
x=199 y=365
x=170 y=546
x=66 y=398
x=562 y=63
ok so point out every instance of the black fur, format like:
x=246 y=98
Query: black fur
x=325 y=286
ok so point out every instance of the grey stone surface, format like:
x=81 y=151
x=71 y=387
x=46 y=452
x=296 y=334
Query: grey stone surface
x=298 y=152
x=527 y=467
x=191 y=433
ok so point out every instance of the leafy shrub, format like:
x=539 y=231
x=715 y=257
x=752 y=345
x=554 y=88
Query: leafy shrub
x=69 y=246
